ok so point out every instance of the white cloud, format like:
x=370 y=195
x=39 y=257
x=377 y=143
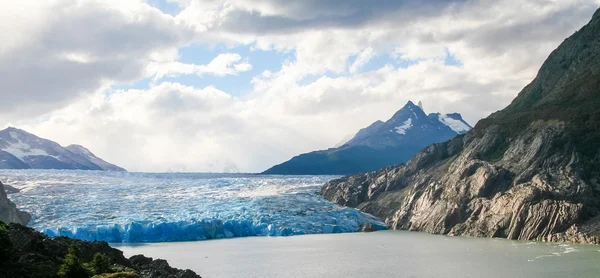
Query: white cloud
x=363 y=58
x=311 y=102
x=55 y=51
x=223 y=64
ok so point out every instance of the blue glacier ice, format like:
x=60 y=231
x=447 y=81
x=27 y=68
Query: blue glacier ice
x=159 y=207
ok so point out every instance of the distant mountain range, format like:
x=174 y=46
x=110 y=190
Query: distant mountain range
x=378 y=145
x=22 y=150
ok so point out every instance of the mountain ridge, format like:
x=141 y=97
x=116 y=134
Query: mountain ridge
x=20 y=149
x=377 y=145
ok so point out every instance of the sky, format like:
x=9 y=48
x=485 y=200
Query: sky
x=241 y=85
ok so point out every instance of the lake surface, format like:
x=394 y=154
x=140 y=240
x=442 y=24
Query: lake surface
x=165 y=207
x=379 y=254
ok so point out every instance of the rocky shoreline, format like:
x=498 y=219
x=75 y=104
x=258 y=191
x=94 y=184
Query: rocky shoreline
x=25 y=252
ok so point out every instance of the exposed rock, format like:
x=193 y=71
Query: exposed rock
x=158 y=268
x=11 y=190
x=367 y=228
x=25 y=252
x=529 y=172
x=9 y=212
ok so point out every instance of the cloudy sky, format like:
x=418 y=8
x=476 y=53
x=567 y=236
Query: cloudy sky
x=203 y=85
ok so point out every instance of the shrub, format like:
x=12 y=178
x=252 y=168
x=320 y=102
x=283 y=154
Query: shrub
x=99 y=264
x=71 y=267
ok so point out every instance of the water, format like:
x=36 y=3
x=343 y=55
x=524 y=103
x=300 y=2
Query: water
x=152 y=207
x=379 y=254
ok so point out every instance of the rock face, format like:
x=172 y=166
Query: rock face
x=529 y=172
x=158 y=268
x=378 y=145
x=9 y=212
x=22 y=150
x=25 y=252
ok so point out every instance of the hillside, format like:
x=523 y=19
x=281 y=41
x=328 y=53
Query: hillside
x=530 y=171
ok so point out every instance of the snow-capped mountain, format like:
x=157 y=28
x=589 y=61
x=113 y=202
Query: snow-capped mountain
x=380 y=144
x=22 y=150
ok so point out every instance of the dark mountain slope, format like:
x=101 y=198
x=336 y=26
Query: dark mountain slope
x=530 y=171
x=378 y=145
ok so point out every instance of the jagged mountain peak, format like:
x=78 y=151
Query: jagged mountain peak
x=408 y=124
x=380 y=144
x=410 y=110
x=421 y=106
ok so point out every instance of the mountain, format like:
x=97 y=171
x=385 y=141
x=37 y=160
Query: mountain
x=83 y=152
x=22 y=150
x=9 y=212
x=378 y=145
x=530 y=171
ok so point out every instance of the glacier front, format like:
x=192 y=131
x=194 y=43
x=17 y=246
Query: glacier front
x=159 y=207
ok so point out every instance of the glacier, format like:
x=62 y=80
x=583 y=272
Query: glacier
x=161 y=207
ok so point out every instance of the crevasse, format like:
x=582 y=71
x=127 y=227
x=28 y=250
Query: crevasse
x=142 y=207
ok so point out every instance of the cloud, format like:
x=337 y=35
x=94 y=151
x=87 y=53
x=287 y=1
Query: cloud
x=56 y=51
x=362 y=59
x=279 y=16
x=223 y=64
x=321 y=91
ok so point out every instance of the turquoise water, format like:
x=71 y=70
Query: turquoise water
x=379 y=254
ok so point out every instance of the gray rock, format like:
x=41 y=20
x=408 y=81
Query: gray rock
x=159 y=268
x=528 y=172
x=11 y=190
x=9 y=212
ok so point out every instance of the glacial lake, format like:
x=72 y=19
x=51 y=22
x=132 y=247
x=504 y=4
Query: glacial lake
x=379 y=254
x=238 y=225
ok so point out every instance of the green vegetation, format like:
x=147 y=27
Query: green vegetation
x=72 y=267
x=5 y=243
x=99 y=264
x=128 y=274
x=577 y=106
x=496 y=152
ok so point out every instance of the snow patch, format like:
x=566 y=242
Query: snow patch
x=403 y=128
x=456 y=125
x=21 y=150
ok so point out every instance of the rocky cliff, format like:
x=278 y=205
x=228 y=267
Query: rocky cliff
x=529 y=171
x=9 y=212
